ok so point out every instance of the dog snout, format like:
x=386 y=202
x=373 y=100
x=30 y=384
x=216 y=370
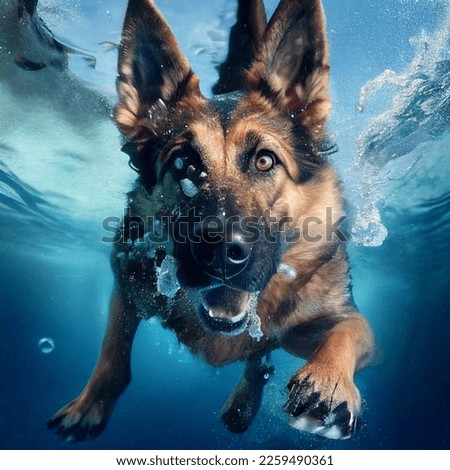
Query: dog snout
x=221 y=251
x=237 y=251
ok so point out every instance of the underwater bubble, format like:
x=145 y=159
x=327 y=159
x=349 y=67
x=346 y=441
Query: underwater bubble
x=254 y=323
x=188 y=187
x=179 y=163
x=287 y=271
x=167 y=281
x=47 y=345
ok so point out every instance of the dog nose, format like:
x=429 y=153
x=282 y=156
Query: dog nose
x=222 y=254
x=237 y=251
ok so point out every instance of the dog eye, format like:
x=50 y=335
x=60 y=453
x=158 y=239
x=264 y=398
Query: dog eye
x=265 y=161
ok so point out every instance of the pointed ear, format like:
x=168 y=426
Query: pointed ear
x=245 y=38
x=291 y=68
x=151 y=67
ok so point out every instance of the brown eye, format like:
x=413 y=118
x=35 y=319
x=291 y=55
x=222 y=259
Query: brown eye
x=265 y=161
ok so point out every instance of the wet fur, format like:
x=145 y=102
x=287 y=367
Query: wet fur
x=283 y=106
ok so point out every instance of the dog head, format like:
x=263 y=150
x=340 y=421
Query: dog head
x=235 y=175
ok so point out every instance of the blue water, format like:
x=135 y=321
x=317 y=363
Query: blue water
x=61 y=174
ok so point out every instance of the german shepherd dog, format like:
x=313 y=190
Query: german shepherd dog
x=252 y=260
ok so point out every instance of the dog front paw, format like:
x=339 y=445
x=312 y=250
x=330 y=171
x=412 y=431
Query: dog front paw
x=81 y=419
x=327 y=406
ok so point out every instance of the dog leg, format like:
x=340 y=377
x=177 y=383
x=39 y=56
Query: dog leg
x=243 y=404
x=87 y=416
x=323 y=398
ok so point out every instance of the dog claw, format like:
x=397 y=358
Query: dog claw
x=75 y=422
x=299 y=400
x=311 y=414
x=77 y=432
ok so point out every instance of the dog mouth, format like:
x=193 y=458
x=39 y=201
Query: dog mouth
x=224 y=310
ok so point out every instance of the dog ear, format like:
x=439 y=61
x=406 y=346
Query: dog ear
x=151 y=66
x=291 y=67
x=245 y=37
